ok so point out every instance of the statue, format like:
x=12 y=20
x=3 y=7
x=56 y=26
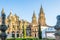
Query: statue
x=57 y=27
x=3 y=27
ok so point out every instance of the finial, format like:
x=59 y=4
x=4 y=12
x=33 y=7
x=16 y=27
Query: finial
x=34 y=14
x=41 y=8
x=10 y=11
x=2 y=10
x=41 y=5
x=15 y=14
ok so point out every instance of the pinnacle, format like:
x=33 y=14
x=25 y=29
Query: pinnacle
x=2 y=10
x=34 y=14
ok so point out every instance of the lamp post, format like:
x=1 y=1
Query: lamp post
x=3 y=27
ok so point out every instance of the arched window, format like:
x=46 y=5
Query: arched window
x=13 y=34
x=17 y=33
x=8 y=32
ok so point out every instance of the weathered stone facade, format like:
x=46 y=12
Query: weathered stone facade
x=15 y=26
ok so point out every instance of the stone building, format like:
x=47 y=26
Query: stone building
x=15 y=25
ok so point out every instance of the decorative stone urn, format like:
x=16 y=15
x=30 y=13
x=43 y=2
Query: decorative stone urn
x=57 y=27
x=3 y=27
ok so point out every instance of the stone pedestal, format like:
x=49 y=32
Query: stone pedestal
x=57 y=37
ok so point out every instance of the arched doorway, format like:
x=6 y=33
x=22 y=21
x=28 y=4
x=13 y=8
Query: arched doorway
x=17 y=33
x=28 y=31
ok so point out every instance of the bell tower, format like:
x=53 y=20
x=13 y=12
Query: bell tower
x=34 y=28
x=41 y=19
x=34 y=20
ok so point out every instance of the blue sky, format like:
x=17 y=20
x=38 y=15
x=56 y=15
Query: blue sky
x=24 y=9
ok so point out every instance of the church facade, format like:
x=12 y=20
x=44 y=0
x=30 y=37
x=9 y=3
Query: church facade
x=16 y=26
